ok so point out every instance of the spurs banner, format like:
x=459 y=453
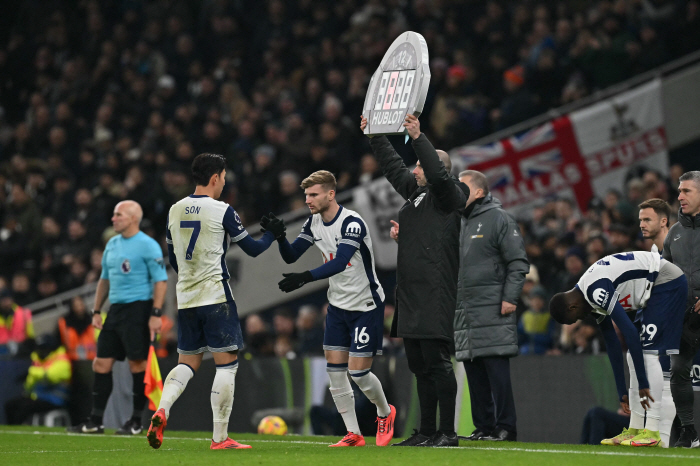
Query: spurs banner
x=398 y=86
x=578 y=155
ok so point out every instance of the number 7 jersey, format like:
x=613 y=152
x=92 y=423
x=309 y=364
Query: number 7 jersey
x=200 y=229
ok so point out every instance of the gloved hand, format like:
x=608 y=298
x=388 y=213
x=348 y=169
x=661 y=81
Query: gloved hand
x=274 y=225
x=293 y=281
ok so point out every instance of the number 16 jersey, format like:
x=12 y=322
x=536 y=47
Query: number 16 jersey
x=200 y=229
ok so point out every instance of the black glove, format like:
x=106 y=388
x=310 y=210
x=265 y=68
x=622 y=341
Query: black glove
x=274 y=225
x=293 y=281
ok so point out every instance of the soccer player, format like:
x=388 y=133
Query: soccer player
x=198 y=233
x=635 y=281
x=356 y=302
x=654 y=217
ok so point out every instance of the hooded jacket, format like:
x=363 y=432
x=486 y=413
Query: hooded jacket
x=493 y=265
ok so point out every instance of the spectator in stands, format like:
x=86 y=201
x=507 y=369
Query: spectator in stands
x=16 y=327
x=536 y=328
x=76 y=332
x=310 y=331
x=285 y=333
x=47 y=386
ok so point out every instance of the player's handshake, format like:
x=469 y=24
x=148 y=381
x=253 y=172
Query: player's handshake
x=274 y=225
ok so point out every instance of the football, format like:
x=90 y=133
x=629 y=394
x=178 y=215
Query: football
x=272 y=425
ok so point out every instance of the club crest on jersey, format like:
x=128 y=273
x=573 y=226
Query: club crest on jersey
x=353 y=229
x=418 y=199
x=126 y=266
x=480 y=225
x=238 y=219
x=600 y=297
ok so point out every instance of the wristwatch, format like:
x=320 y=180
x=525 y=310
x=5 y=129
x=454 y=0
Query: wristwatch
x=155 y=312
x=95 y=311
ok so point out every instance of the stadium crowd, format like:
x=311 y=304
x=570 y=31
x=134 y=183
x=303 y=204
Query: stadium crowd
x=110 y=100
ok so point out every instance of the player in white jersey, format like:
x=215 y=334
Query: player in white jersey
x=354 y=324
x=656 y=289
x=199 y=231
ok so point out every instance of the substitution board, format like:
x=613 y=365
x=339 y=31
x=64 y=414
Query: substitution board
x=399 y=85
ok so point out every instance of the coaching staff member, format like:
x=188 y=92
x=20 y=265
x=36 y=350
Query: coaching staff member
x=133 y=273
x=682 y=247
x=428 y=262
x=493 y=265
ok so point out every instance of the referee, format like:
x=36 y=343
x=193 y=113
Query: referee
x=427 y=269
x=133 y=273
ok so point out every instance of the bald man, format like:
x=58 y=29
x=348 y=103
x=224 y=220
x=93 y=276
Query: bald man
x=426 y=272
x=134 y=277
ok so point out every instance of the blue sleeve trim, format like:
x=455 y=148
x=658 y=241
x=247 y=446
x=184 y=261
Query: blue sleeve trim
x=614 y=350
x=629 y=332
x=171 y=257
x=233 y=226
x=254 y=248
x=291 y=252
x=337 y=265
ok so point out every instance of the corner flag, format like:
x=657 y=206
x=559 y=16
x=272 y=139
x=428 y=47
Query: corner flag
x=153 y=380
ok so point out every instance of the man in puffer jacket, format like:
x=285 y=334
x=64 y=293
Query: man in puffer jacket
x=492 y=270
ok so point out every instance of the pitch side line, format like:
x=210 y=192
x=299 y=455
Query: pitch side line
x=515 y=449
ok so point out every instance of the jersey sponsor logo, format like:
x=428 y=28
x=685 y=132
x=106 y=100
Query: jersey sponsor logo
x=353 y=229
x=126 y=266
x=477 y=236
x=418 y=199
x=600 y=297
x=325 y=259
x=624 y=302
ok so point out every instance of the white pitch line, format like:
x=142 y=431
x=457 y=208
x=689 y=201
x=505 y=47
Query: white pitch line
x=307 y=442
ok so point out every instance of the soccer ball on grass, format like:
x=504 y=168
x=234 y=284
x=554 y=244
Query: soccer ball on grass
x=272 y=425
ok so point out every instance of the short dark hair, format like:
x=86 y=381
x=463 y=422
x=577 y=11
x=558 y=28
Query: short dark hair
x=660 y=206
x=558 y=308
x=204 y=166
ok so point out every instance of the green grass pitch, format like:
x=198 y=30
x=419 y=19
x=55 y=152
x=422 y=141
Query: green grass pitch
x=44 y=446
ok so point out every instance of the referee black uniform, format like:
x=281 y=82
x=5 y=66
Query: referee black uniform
x=427 y=270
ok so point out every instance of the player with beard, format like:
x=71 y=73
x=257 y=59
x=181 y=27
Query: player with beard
x=354 y=324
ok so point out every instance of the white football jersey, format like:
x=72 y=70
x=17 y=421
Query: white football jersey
x=200 y=229
x=626 y=278
x=357 y=287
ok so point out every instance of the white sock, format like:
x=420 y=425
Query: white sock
x=174 y=385
x=343 y=397
x=637 y=415
x=656 y=386
x=222 y=399
x=668 y=413
x=372 y=388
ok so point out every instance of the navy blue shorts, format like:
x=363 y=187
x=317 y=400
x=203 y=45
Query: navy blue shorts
x=660 y=323
x=215 y=327
x=359 y=333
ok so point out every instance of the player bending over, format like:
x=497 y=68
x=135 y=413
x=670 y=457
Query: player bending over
x=354 y=324
x=198 y=233
x=634 y=281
